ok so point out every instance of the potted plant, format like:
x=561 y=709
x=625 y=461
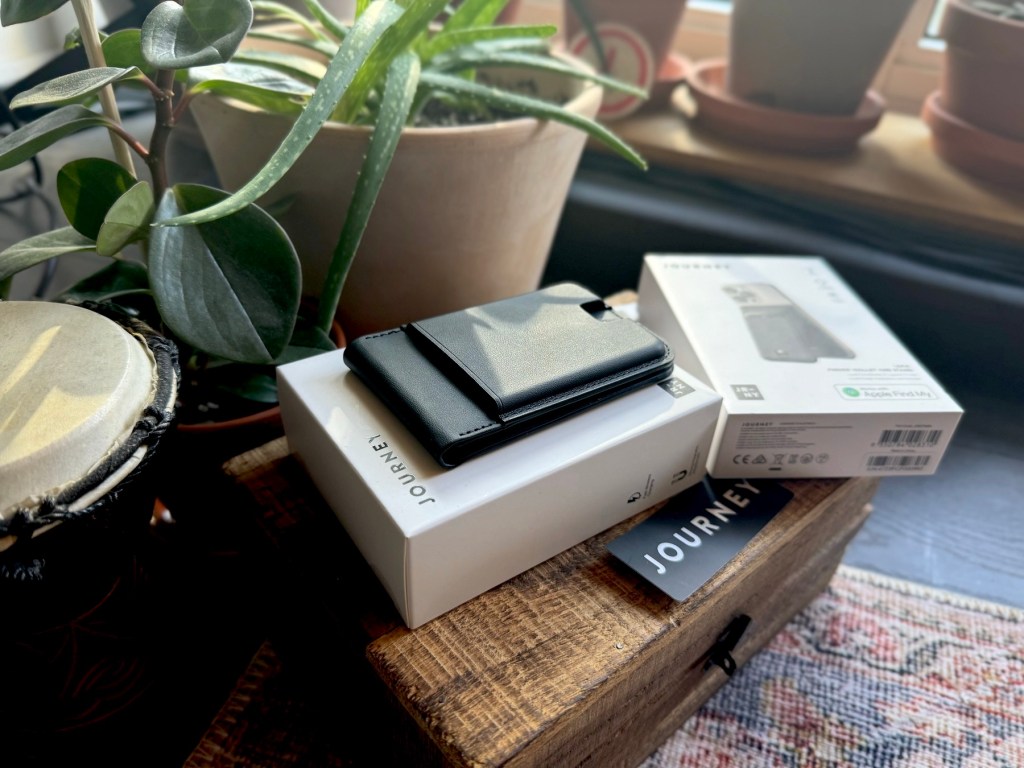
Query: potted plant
x=473 y=171
x=214 y=270
x=810 y=56
x=977 y=114
x=630 y=41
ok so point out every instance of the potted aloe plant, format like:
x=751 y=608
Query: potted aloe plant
x=214 y=270
x=471 y=162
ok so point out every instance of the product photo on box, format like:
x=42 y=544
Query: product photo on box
x=813 y=384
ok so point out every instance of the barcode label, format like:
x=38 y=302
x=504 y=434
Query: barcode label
x=908 y=463
x=909 y=438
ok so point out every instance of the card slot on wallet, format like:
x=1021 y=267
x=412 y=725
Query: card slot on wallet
x=468 y=381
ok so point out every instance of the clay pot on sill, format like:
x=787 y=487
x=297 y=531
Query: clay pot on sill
x=466 y=215
x=637 y=37
x=977 y=115
x=813 y=56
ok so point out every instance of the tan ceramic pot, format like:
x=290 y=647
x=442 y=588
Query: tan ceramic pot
x=810 y=55
x=466 y=214
x=983 y=69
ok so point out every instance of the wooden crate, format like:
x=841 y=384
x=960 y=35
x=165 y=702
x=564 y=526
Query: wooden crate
x=577 y=661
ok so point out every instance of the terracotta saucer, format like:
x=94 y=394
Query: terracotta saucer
x=671 y=74
x=973 y=150
x=775 y=129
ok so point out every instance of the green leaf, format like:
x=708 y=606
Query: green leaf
x=73 y=86
x=127 y=221
x=194 y=33
x=306 y=342
x=350 y=58
x=17 y=11
x=230 y=287
x=124 y=49
x=40 y=248
x=300 y=67
x=415 y=21
x=399 y=92
x=475 y=58
x=331 y=23
x=260 y=87
x=270 y=11
x=119 y=278
x=475 y=13
x=87 y=188
x=447 y=40
x=22 y=144
x=326 y=48
x=590 y=27
x=538 y=108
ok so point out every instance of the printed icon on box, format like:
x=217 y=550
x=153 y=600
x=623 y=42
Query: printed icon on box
x=635 y=496
x=851 y=391
x=629 y=59
x=747 y=392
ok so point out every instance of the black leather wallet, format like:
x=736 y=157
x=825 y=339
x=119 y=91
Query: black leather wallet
x=469 y=381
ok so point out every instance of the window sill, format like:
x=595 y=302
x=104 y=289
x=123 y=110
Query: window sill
x=894 y=171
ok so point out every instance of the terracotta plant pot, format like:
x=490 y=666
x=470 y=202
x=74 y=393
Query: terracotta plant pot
x=982 y=79
x=466 y=214
x=810 y=55
x=637 y=38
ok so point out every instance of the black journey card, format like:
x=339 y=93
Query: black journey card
x=687 y=541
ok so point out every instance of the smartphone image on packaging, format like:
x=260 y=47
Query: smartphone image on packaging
x=781 y=329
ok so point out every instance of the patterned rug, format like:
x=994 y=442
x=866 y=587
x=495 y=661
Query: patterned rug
x=874 y=673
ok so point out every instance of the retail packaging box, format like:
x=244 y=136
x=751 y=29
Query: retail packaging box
x=438 y=537
x=813 y=384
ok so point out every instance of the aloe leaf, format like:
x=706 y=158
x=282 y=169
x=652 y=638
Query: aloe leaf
x=266 y=11
x=473 y=58
x=445 y=40
x=399 y=92
x=474 y=13
x=326 y=48
x=195 y=32
x=24 y=143
x=350 y=58
x=18 y=11
x=87 y=188
x=300 y=67
x=330 y=22
x=415 y=20
x=361 y=6
x=127 y=221
x=230 y=287
x=587 y=22
x=532 y=107
x=73 y=86
x=40 y=248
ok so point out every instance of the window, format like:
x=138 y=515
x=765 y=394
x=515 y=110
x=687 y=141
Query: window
x=906 y=79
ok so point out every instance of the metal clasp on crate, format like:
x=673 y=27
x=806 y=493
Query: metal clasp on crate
x=721 y=652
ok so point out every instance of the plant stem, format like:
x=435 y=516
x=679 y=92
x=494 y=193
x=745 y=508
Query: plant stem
x=94 y=55
x=157 y=158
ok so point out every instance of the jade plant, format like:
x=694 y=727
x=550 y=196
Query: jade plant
x=211 y=268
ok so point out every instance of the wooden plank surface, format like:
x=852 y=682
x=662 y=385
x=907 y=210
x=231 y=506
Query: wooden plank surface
x=577 y=661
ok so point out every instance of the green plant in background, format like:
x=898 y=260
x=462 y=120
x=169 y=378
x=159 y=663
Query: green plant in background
x=219 y=273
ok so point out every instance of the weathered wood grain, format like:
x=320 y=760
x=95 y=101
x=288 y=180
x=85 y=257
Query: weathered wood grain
x=577 y=661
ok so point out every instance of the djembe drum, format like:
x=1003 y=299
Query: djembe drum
x=86 y=394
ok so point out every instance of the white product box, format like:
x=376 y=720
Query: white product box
x=813 y=384
x=438 y=537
